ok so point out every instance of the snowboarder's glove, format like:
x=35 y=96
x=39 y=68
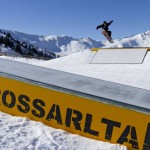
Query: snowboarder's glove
x=111 y=21
x=97 y=27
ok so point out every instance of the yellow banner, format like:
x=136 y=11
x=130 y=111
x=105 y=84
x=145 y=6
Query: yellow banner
x=75 y=114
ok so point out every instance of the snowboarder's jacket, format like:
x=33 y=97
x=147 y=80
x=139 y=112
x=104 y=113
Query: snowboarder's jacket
x=104 y=26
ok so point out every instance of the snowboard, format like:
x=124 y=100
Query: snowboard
x=107 y=36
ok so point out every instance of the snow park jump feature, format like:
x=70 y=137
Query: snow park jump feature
x=119 y=56
x=81 y=105
x=129 y=48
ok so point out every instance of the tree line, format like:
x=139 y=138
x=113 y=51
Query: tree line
x=23 y=47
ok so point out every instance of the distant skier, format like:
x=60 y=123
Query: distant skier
x=105 y=30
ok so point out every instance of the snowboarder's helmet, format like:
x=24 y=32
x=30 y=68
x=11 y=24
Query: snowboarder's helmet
x=104 y=22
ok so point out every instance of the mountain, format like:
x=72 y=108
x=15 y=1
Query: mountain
x=139 y=40
x=9 y=43
x=54 y=46
x=62 y=45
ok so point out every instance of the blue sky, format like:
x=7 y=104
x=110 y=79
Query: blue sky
x=76 y=18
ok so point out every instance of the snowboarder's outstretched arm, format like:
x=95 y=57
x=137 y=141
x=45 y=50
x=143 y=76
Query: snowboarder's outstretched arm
x=98 y=27
x=110 y=22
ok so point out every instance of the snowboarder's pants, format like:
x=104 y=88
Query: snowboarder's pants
x=109 y=33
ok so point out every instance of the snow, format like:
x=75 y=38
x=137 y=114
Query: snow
x=8 y=50
x=28 y=134
x=128 y=74
x=135 y=75
x=63 y=45
x=140 y=40
x=22 y=133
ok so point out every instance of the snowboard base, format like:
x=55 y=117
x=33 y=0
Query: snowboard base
x=107 y=36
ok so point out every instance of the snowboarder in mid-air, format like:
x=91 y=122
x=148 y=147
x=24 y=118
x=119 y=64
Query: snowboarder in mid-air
x=105 y=30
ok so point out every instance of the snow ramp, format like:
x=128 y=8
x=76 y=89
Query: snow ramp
x=119 y=55
x=81 y=105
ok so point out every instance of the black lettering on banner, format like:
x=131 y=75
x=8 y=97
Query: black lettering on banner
x=68 y=117
x=23 y=99
x=75 y=120
x=37 y=103
x=11 y=96
x=87 y=127
x=124 y=137
x=110 y=125
x=146 y=145
x=54 y=109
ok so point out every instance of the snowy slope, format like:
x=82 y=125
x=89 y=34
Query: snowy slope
x=136 y=75
x=19 y=133
x=63 y=45
x=8 y=50
x=139 y=40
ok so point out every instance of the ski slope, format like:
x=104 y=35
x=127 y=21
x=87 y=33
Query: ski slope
x=135 y=75
x=21 y=133
x=25 y=131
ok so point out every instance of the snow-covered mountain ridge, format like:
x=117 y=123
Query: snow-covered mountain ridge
x=65 y=45
x=139 y=40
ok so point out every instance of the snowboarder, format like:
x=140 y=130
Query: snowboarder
x=104 y=26
x=105 y=30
